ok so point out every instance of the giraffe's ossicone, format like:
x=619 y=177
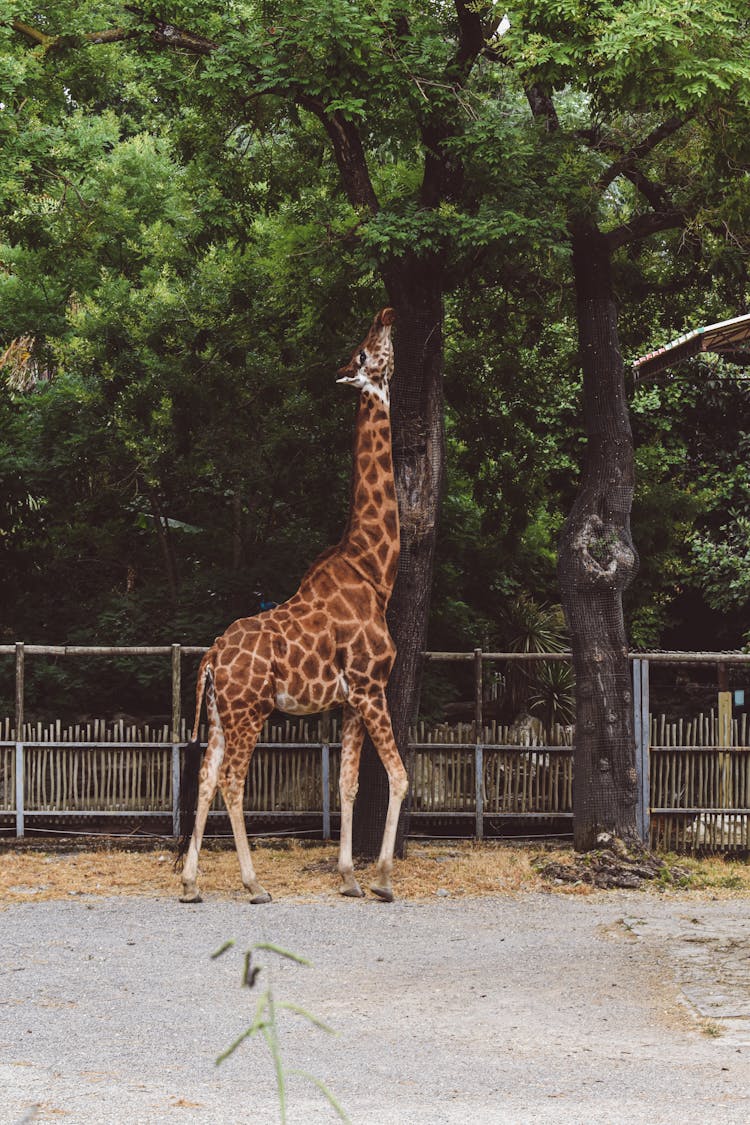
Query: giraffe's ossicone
x=327 y=646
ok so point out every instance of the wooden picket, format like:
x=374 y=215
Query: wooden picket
x=7 y=778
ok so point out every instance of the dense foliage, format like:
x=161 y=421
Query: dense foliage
x=181 y=272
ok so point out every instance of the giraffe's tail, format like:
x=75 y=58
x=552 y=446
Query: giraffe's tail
x=192 y=756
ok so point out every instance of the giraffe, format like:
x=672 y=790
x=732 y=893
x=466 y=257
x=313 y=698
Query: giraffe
x=327 y=645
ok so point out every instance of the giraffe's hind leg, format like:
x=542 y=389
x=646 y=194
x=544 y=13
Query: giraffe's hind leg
x=209 y=776
x=352 y=737
x=240 y=747
x=190 y=869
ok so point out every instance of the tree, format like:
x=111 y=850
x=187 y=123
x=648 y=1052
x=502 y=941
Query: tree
x=388 y=78
x=645 y=76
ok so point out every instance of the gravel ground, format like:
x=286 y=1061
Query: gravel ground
x=624 y=1007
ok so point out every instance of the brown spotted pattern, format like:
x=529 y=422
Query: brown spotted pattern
x=328 y=645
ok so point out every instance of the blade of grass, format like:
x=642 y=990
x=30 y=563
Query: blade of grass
x=222 y=949
x=268 y=1031
x=258 y=1024
x=290 y=1007
x=282 y=952
x=335 y=1103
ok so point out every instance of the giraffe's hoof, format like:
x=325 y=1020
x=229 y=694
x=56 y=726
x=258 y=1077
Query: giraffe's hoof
x=257 y=900
x=194 y=897
x=384 y=893
x=352 y=890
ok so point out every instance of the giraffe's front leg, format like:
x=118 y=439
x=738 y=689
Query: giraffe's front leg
x=352 y=737
x=374 y=709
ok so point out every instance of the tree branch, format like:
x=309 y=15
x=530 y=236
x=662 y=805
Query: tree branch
x=49 y=42
x=542 y=107
x=471 y=41
x=626 y=162
x=348 y=150
x=642 y=226
x=476 y=33
x=164 y=34
x=343 y=133
x=655 y=194
x=169 y=35
x=443 y=173
x=32 y=33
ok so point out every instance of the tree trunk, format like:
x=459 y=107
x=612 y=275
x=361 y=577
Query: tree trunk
x=238 y=538
x=167 y=548
x=597 y=562
x=415 y=290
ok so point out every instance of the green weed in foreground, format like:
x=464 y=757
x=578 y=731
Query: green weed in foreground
x=265 y=1023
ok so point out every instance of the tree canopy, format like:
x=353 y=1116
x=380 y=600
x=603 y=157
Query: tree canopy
x=201 y=207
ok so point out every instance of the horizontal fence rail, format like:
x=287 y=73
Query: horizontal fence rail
x=694 y=773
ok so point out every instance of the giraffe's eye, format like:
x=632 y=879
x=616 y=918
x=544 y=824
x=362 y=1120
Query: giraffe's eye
x=362 y=358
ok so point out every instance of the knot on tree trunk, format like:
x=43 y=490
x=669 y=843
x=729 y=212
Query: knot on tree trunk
x=419 y=467
x=416 y=494
x=605 y=558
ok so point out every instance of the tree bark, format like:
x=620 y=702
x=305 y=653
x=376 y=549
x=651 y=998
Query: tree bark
x=167 y=548
x=238 y=538
x=597 y=561
x=415 y=290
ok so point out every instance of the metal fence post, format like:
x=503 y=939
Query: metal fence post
x=20 y=779
x=176 y=734
x=326 y=784
x=479 y=777
x=641 y=726
x=479 y=748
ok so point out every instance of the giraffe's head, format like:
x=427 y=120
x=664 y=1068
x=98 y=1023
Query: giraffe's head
x=371 y=365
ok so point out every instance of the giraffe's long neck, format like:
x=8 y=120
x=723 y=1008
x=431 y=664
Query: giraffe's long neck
x=371 y=539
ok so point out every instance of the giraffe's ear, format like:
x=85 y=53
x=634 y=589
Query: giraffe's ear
x=386 y=317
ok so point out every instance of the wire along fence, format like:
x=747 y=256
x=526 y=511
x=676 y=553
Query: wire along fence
x=479 y=775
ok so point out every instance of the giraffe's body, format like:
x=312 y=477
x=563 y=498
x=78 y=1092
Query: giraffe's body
x=327 y=645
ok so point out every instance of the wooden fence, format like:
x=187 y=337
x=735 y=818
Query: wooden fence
x=694 y=774
x=700 y=781
x=104 y=769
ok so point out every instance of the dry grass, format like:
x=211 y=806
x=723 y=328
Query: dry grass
x=302 y=871
x=287 y=871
